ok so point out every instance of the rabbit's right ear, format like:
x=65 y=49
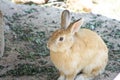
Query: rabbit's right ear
x=65 y=19
x=76 y=25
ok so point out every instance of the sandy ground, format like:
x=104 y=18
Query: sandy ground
x=23 y=61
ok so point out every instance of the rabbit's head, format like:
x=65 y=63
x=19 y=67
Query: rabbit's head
x=62 y=39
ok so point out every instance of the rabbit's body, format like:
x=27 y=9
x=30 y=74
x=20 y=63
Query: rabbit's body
x=83 y=51
x=2 y=44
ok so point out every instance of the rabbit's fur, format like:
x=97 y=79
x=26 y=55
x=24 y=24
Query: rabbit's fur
x=74 y=50
x=2 y=44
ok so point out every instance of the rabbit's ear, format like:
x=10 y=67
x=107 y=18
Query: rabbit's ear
x=76 y=26
x=65 y=19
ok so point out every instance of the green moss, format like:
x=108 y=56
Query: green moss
x=32 y=70
x=1 y=67
x=93 y=24
x=29 y=11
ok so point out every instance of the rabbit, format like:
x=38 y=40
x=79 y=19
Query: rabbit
x=2 y=44
x=74 y=50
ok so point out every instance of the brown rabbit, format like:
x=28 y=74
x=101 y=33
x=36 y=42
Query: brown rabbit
x=74 y=50
x=2 y=44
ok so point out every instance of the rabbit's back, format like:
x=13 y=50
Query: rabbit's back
x=91 y=40
x=92 y=52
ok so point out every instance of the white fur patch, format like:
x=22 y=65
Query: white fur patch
x=81 y=77
x=61 y=78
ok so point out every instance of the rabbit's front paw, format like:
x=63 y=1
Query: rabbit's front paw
x=61 y=78
x=81 y=77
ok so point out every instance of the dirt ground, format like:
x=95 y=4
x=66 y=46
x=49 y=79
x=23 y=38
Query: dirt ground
x=27 y=30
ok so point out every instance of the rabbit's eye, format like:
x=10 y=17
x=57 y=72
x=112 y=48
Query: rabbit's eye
x=61 y=39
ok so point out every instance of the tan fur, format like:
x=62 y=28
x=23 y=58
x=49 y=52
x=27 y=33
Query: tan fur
x=82 y=51
x=2 y=44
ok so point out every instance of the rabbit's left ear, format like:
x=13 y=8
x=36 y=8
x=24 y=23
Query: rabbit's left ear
x=76 y=26
x=65 y=19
